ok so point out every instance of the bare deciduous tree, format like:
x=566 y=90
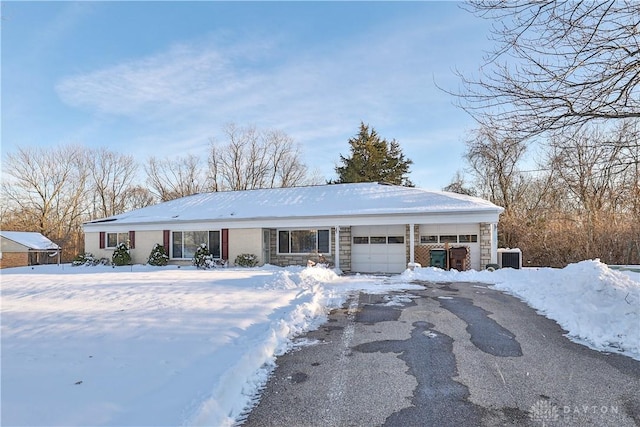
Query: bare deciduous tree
x=593 y=167
x=459 y=185
x=139 y=197
x=255 y=159
x=494 y=161
x=556 y=64
x=112 y=175
x=170 y=179
x=47 y=191
x=582 y=201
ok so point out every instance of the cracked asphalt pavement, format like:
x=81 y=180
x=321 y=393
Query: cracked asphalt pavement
x=453 y=354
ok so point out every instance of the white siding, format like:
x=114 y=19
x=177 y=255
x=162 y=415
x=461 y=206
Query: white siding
x=92 y=246
x=245 y=241
x=145 y=241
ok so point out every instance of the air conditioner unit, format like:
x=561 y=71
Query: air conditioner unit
x=510 y=258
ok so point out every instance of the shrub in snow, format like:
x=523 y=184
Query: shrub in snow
x=158 y=256
x=246 y=260
x=202 y=258
x=82 y=259
x=88 y=259
x=121 y=255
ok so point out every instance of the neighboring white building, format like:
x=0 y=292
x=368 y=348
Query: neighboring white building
x=24 y=248
x=362 y=227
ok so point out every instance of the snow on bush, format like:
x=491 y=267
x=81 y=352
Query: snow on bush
x=121 y=255
x=158 y=256
x=88 y=259
x=202 y=258
x=246 y=260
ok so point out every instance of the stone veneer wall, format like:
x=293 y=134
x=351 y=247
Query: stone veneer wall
x=284 y=260
x=345 y=249
x=485 y=244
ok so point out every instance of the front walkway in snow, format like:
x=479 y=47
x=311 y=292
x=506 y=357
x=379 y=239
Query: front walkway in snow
x=149 y=346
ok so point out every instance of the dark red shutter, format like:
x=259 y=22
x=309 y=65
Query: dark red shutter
x=132 y=240
x=165 y=241
x=225 y=243
x=103 y=236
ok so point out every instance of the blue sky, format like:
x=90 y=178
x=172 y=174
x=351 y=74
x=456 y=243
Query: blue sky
x=160 y=78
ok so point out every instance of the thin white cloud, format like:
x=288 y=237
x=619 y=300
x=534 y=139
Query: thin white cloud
x=183 y=77
x=376 y=74
x=190 y=90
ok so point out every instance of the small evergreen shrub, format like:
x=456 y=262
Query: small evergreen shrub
x=83 y=259
x=121 y=255
x=158 y=256
x=246 y=260
x=89 y=260
x=202 y=258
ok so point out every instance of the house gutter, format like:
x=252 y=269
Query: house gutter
x=394 y=218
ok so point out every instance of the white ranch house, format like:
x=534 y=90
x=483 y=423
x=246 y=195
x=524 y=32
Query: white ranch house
x=363 y=227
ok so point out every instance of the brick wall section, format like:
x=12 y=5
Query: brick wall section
x=485 y=244
x=14 y=259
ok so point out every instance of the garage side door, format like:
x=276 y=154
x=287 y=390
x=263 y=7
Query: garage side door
x=378 y=249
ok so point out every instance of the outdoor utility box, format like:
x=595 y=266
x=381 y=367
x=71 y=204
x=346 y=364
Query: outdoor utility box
x=458 y=258
x=510 y=258
x=438 y=258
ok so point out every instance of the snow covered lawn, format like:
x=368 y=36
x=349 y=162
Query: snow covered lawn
x=152 y=345
x=166 y=346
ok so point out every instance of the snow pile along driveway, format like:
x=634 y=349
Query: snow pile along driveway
x=152 y=345
x=598 y=306
x=166 y=346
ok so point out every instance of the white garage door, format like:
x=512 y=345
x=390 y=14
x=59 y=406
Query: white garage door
x=378 y=249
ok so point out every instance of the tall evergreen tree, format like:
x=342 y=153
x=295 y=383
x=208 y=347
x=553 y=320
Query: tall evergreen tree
x=373 y=159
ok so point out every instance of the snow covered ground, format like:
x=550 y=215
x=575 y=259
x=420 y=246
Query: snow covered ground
x=167 y=346
x=597 y=305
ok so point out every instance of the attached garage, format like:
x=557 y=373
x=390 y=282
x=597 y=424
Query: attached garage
x=378 y=249
x=358 y=227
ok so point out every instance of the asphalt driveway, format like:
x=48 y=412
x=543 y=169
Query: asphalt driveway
x=453 y=354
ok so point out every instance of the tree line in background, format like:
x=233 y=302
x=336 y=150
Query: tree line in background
x=582 y=201
x=558 y=107
x=561 y=84
x=54 y=190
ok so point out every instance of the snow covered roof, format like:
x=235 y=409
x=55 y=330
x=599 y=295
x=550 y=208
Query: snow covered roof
x=305 y=202
x=29 y=239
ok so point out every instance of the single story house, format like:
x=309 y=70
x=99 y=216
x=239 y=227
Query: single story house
x=24 y=248
x=360 y=227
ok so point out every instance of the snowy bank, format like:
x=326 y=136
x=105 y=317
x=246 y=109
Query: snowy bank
x=596 y=305
x=153 y=345
x=168 y=346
